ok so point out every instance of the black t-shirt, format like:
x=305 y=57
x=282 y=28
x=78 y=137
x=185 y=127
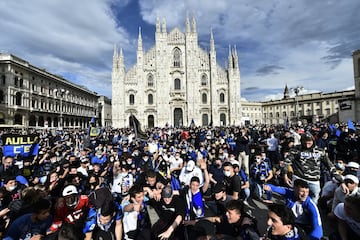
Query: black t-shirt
x=168 y=212
x=233 y=184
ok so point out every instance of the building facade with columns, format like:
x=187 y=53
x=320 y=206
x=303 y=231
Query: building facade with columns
x=105 y=111
x=33 y=97
x=306 y=108
x=176 y=82
x=356 y=67
x=339 y=106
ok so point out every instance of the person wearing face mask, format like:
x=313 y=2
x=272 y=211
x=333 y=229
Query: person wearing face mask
x=260 y=173
x=176 y=165
x=145 y=161
x=231 y=181
x=216 y=172
x=189 y=171
x=72 y=209
x=11 y=187
x=351 y=168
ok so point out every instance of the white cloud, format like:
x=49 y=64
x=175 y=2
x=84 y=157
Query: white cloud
x=306 y=42
x=63 y=36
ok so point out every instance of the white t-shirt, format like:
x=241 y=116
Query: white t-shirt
x=175 y=163
x=340 y=213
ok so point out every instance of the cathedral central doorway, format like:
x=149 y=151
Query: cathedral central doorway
x=178 y=117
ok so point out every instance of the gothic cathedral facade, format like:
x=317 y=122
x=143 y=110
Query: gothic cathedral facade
x=176 y=83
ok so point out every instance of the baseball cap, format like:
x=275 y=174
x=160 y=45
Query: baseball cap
x=69 y=190
x=190 y=165
x=167 y=192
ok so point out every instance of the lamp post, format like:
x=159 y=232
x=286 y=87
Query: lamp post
x=63 y=93
x=297 y=90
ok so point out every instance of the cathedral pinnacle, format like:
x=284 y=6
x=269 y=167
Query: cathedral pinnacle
x=139 y=40
x=212 y=42
x=163 y=25
x=115 y=55
x=230 y=63
x=194 y=25
x=158 y=24
x=187 y=24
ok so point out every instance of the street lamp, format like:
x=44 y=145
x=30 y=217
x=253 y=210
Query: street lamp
x=297 y=90
x=62 y=92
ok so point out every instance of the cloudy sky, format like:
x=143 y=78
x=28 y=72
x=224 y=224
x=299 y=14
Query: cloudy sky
x=295 y=42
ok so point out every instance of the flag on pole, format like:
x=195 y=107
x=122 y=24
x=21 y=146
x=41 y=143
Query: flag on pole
x=135 y=124
x=351 y=125
x=92 y=122
x=192 y=124
x=287 y=123
x=94 y=131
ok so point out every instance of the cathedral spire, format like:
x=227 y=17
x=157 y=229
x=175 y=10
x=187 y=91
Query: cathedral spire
x=193 y=24
x=187 y=24
x=115 y=55
x=286 y=92
x=212 y=42
x=158 y=24
x=163 y=25
x=121 y=53
x=121 y=59
x=230 y=63
x=236 y=60
x=139 y=40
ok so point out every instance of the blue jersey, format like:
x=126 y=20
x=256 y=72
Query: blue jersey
x=93 y=219
x=309 y=213
x=24 y=228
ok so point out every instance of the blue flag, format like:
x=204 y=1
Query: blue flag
x=351 y=125
x=23 y=145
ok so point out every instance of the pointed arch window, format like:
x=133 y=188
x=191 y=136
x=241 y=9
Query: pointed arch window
x=177 y=84
x=177 y=57
x=131 y=99
x=204 y=80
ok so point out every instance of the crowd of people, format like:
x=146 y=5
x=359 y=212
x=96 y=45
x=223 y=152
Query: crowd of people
x=183 y=183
